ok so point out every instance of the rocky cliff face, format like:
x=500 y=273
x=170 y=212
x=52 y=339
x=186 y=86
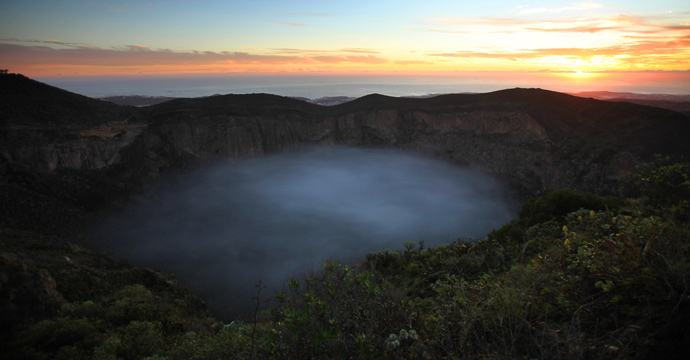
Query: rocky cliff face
x=535 y=139
x=45 y=128
x=45 y=149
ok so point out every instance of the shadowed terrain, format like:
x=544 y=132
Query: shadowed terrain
x=189 y=183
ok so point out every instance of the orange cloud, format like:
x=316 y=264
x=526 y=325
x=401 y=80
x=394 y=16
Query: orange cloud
x=128 y=56
x=312 y=51
x=47 y=60
x=413 y=62
x=360 y=50
x=632 y=41
x=613 y=23
x=645 y=24
x=657 y=53
x=578 y=29
x=365 y=59
x=576 y=6
x=138 y=47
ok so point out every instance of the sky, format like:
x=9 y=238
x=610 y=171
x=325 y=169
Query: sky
x=76 y=38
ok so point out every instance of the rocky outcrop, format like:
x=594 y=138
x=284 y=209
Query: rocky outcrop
x=46 y=150
x=27 y=292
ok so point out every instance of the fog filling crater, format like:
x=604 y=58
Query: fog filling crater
x=223 y=229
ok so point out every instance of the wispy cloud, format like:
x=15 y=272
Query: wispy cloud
x=630 y=23
x=575 y=29
x=143 y=56
x=585 y=5
x=659 y=52
x=618 y=23
x=138 y=47
x=129 y=55
x=34 y=41
x=640 y=49
x=290 y=24
x=360 y=50
x=478 y=21
x=311 y=14
x=413 y=62
x=364 y=59
x=309 y=52
x=535 y=11
x=295 y=51
x=656 y=40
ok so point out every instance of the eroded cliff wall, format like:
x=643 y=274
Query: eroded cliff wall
x=535 y=139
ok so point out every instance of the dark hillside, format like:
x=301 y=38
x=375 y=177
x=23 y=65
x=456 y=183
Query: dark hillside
x=377 y=101
x=682 y=107
x=563 y=116
x=54 y=145
x=26 y=102
x=252 y=104
x=136 y=100
x=573 y=121
x=603 y=123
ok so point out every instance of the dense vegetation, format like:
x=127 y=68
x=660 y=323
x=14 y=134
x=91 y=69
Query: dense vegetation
x=575 y=276
x=59 y=300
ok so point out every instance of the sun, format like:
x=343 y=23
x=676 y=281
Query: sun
x=581 y=73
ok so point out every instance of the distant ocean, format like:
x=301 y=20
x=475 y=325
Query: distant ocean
x=314 y=87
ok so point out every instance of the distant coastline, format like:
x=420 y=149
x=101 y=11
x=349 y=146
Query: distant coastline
x=316 y=87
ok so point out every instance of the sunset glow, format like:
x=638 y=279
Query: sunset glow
x=575 y=41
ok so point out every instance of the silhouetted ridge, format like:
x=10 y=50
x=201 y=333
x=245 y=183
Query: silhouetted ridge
x=566 y=116
x=377 y=101
x=255 y=101
x=27 y=102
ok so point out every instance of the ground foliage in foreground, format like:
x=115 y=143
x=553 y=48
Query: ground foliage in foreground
x=61 y=301
x=576 y=276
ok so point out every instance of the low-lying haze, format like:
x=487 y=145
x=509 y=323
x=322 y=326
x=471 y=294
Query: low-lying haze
x=314 y=87
x=223 y=229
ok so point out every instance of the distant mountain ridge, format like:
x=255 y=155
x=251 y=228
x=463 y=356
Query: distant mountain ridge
x=680 y=103
x=136 y=100
x=73 y=154
x=605 y=95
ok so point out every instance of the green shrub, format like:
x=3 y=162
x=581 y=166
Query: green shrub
x=661 y=183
